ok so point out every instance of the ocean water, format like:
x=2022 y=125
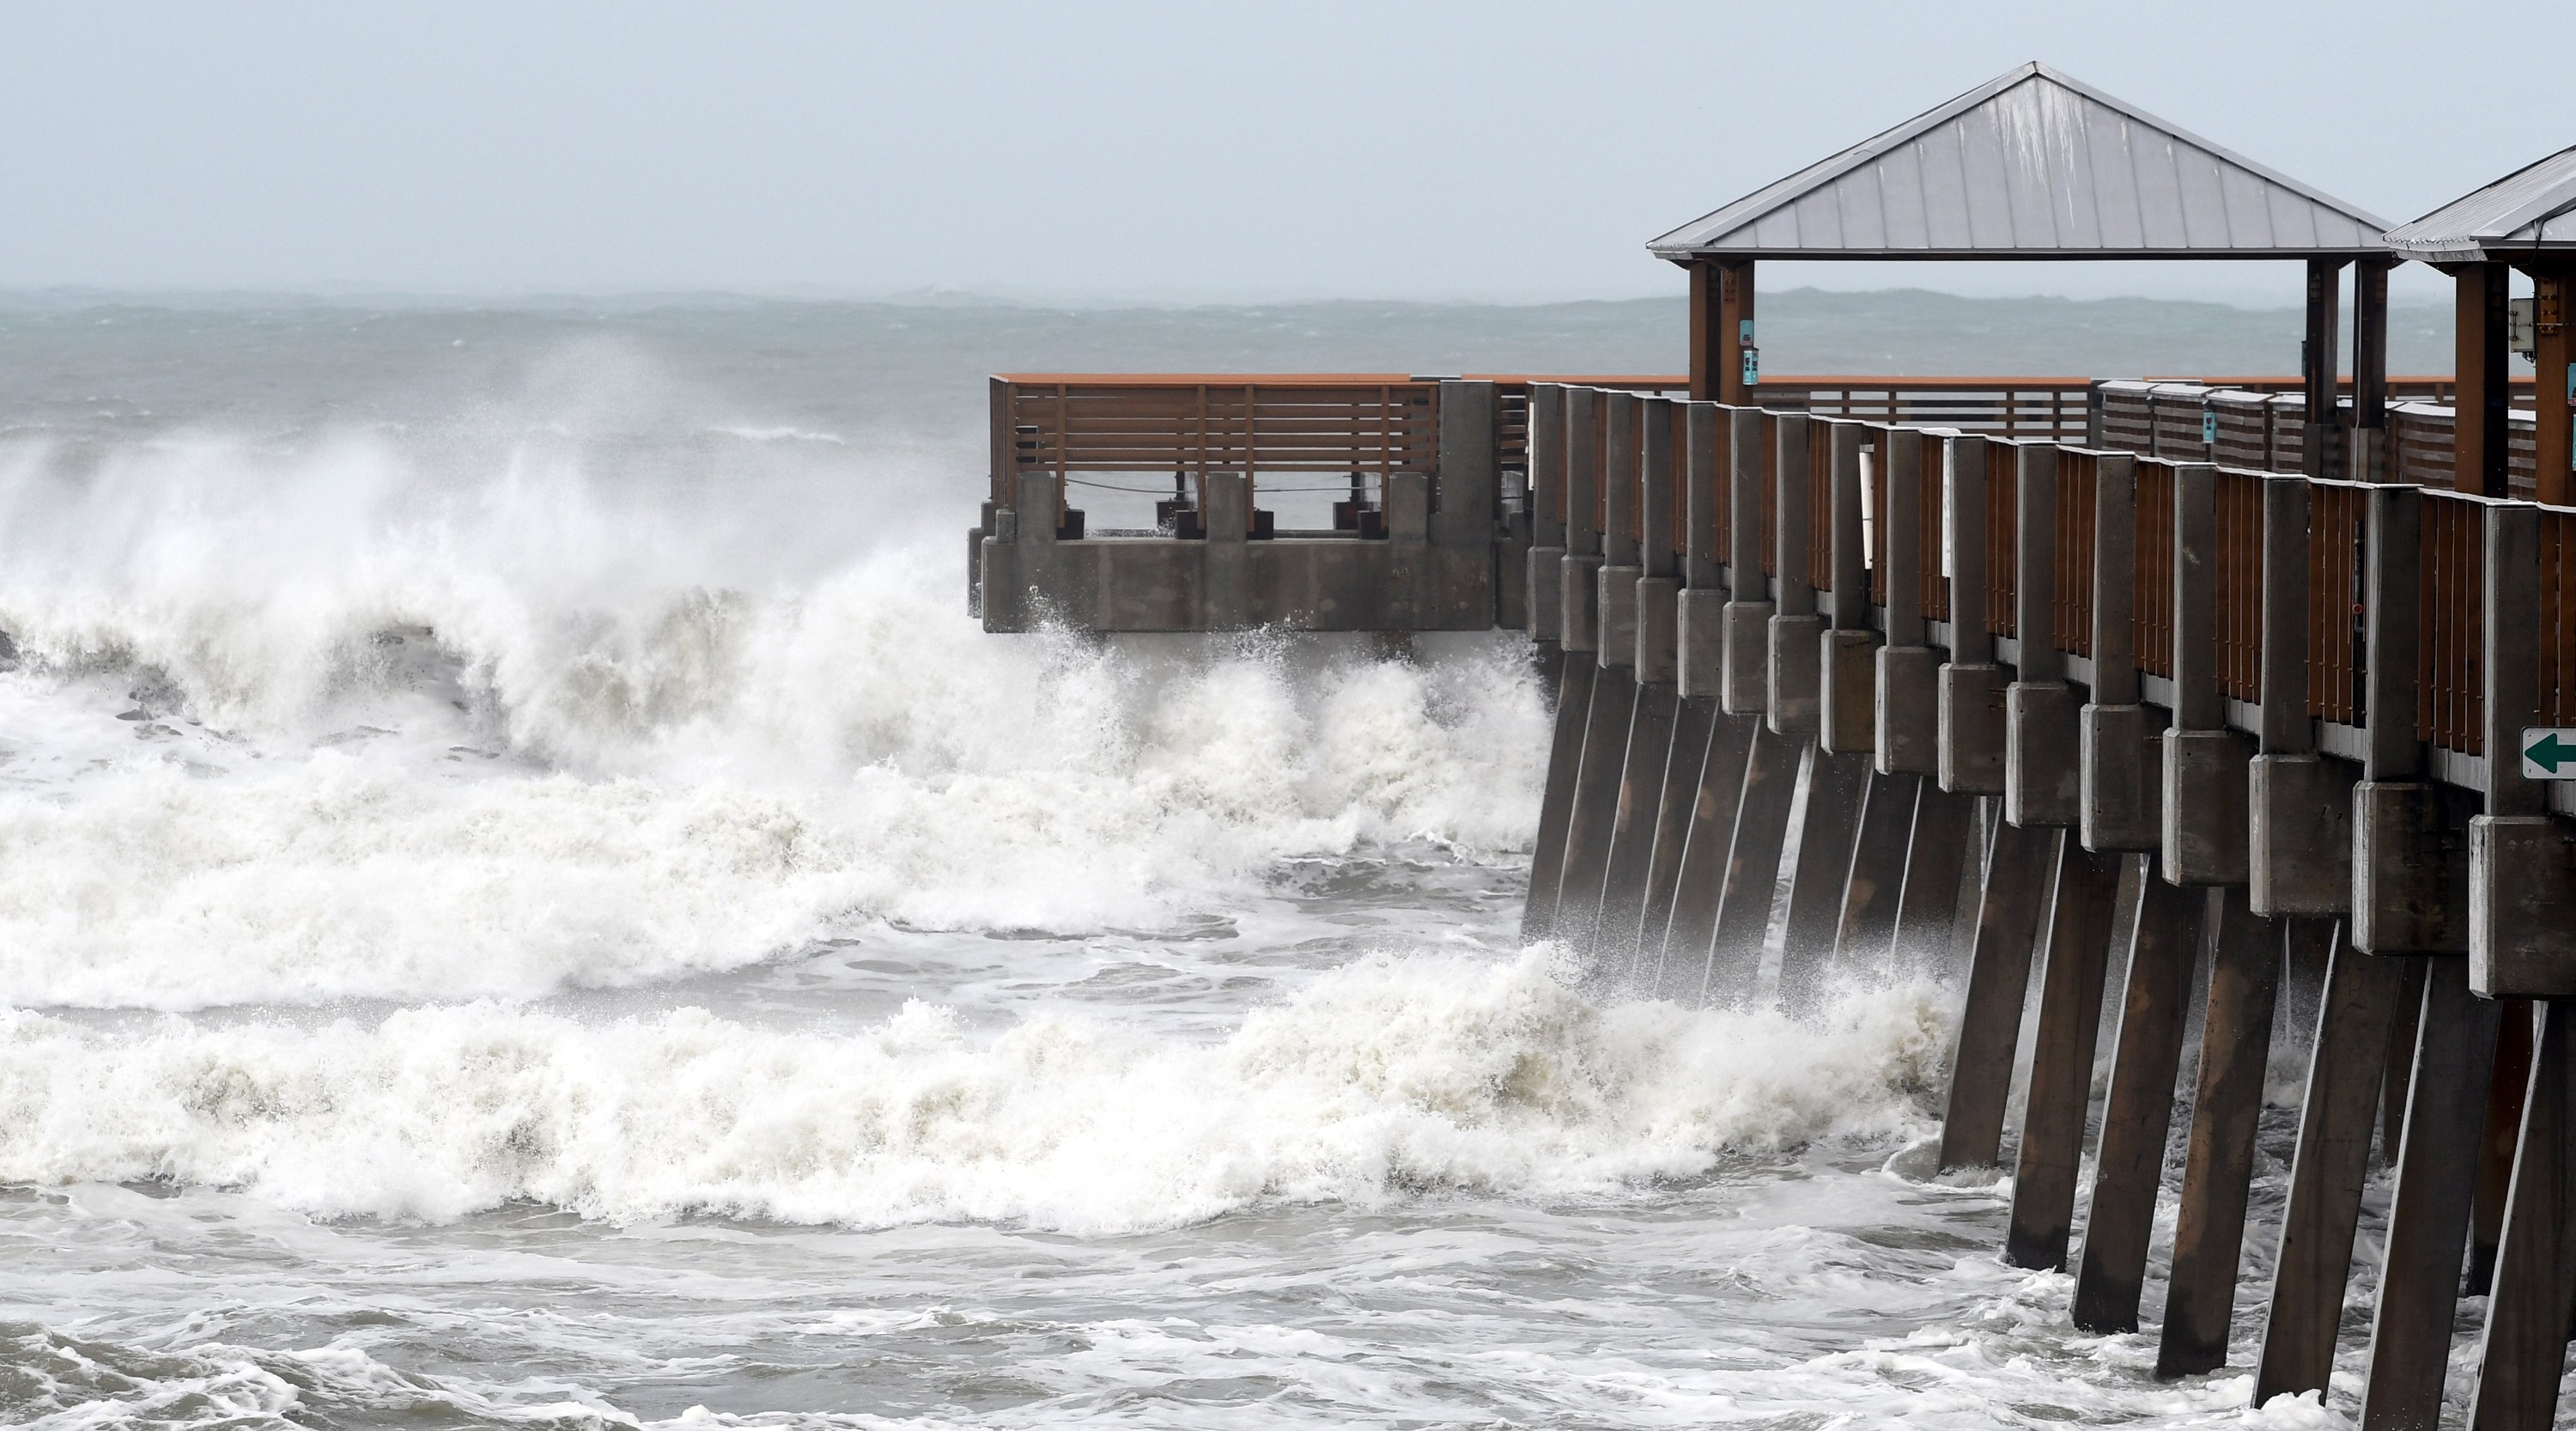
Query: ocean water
x=525 y=900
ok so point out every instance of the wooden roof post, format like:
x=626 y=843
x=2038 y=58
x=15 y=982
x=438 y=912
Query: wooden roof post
x=1737 y=370
x=2370 y=370
x=2478 y=414
x=1704 y=356
x=2318 y=352
x=2554 y=383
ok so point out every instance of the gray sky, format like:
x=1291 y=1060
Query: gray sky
x=1189 y=152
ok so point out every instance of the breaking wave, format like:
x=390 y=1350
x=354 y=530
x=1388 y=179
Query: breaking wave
x=1383 y=1080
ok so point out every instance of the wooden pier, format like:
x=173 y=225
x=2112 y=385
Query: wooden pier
x=2248 y=674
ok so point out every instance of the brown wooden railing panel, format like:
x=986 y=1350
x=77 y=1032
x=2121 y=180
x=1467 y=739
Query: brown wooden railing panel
x=2338 y=527
x=1820 y=505
x=1770 y=494
x=2071 y=608
x=2557 y=616
x=2151 y=615
x=2239 y=598
x=1873 y=446
x=2450 y=698
x=1936 y=583
x=2003 y=519
x=1722 y=520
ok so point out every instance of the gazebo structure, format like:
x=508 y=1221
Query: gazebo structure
x=2525 y=220
x=2035 y=164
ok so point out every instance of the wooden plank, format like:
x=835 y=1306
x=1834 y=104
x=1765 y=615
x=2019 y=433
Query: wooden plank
x=2428 y=1220
x=2019 y=863
x=2137 y=1114
x=1556 y=798
x=2345 y=1065
x=1826 y=834
x=2218 y=1166
x=2061 y=1069
x=2523 y=1351
x=1700 y=884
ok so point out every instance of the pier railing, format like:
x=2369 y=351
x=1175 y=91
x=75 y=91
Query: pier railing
x=2212 y=549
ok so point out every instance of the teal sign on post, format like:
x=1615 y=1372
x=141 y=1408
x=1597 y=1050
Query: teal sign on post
x=2549 y=752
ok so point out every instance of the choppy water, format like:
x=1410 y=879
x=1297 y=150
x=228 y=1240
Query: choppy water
x=524 y=900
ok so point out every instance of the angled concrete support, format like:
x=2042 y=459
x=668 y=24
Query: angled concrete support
x=2523 y=1350
x=1819 y=881
x=1752 y=867
x=2428 y=1217
x=2137 y=1112
x=2345 y=1065
x=2218 y=1167
x=2020 y=863
x=1556 y=798
x=2061 y=1069
x=1699 y=885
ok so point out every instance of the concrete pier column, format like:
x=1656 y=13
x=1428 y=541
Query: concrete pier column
x=2061 y=1068
x=2205 y=762
x=2298 y=803
x=2410 y=867
x=1699 y=885
x=1907 y=733
x=1734 y=953
x=1820 y=879
x=2041 y=727
x=2120 y=742
x=2020 y=864
x=2218 y=1165
x=2345 y=1065
x=2523 y=1351
x=1579 y=581
x=1847 y=720
x=2137 y=1112
x=1465 y=519
x=1794 y=703
x=1747 y=678
x=2522 y=860
x=2428 y=1219
x=1545 y=561
x=1876 y=883
x=1556 y=797
x=1971 y=703
x=1699 y=618
x=1616 y=599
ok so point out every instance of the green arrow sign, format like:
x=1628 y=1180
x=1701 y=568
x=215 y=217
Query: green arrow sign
x=2548 y=753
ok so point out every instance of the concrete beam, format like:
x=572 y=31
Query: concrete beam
x=1971 y=702
x=1794 y=703
x=1746 y=686
x=2205 y=762
x=1906 y=728
x=2042 y=744
x=2522 y=860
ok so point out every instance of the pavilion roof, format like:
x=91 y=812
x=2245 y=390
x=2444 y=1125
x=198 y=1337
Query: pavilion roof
x=2031 y=165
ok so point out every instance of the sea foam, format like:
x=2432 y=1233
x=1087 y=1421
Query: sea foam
x=401 y=734
x=1387 y=1079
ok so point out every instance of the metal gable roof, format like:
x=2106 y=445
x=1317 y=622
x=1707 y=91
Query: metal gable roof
x=2533 y=207
x=2032 y=164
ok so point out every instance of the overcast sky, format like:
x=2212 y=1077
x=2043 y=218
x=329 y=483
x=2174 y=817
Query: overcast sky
x=1181 y=152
